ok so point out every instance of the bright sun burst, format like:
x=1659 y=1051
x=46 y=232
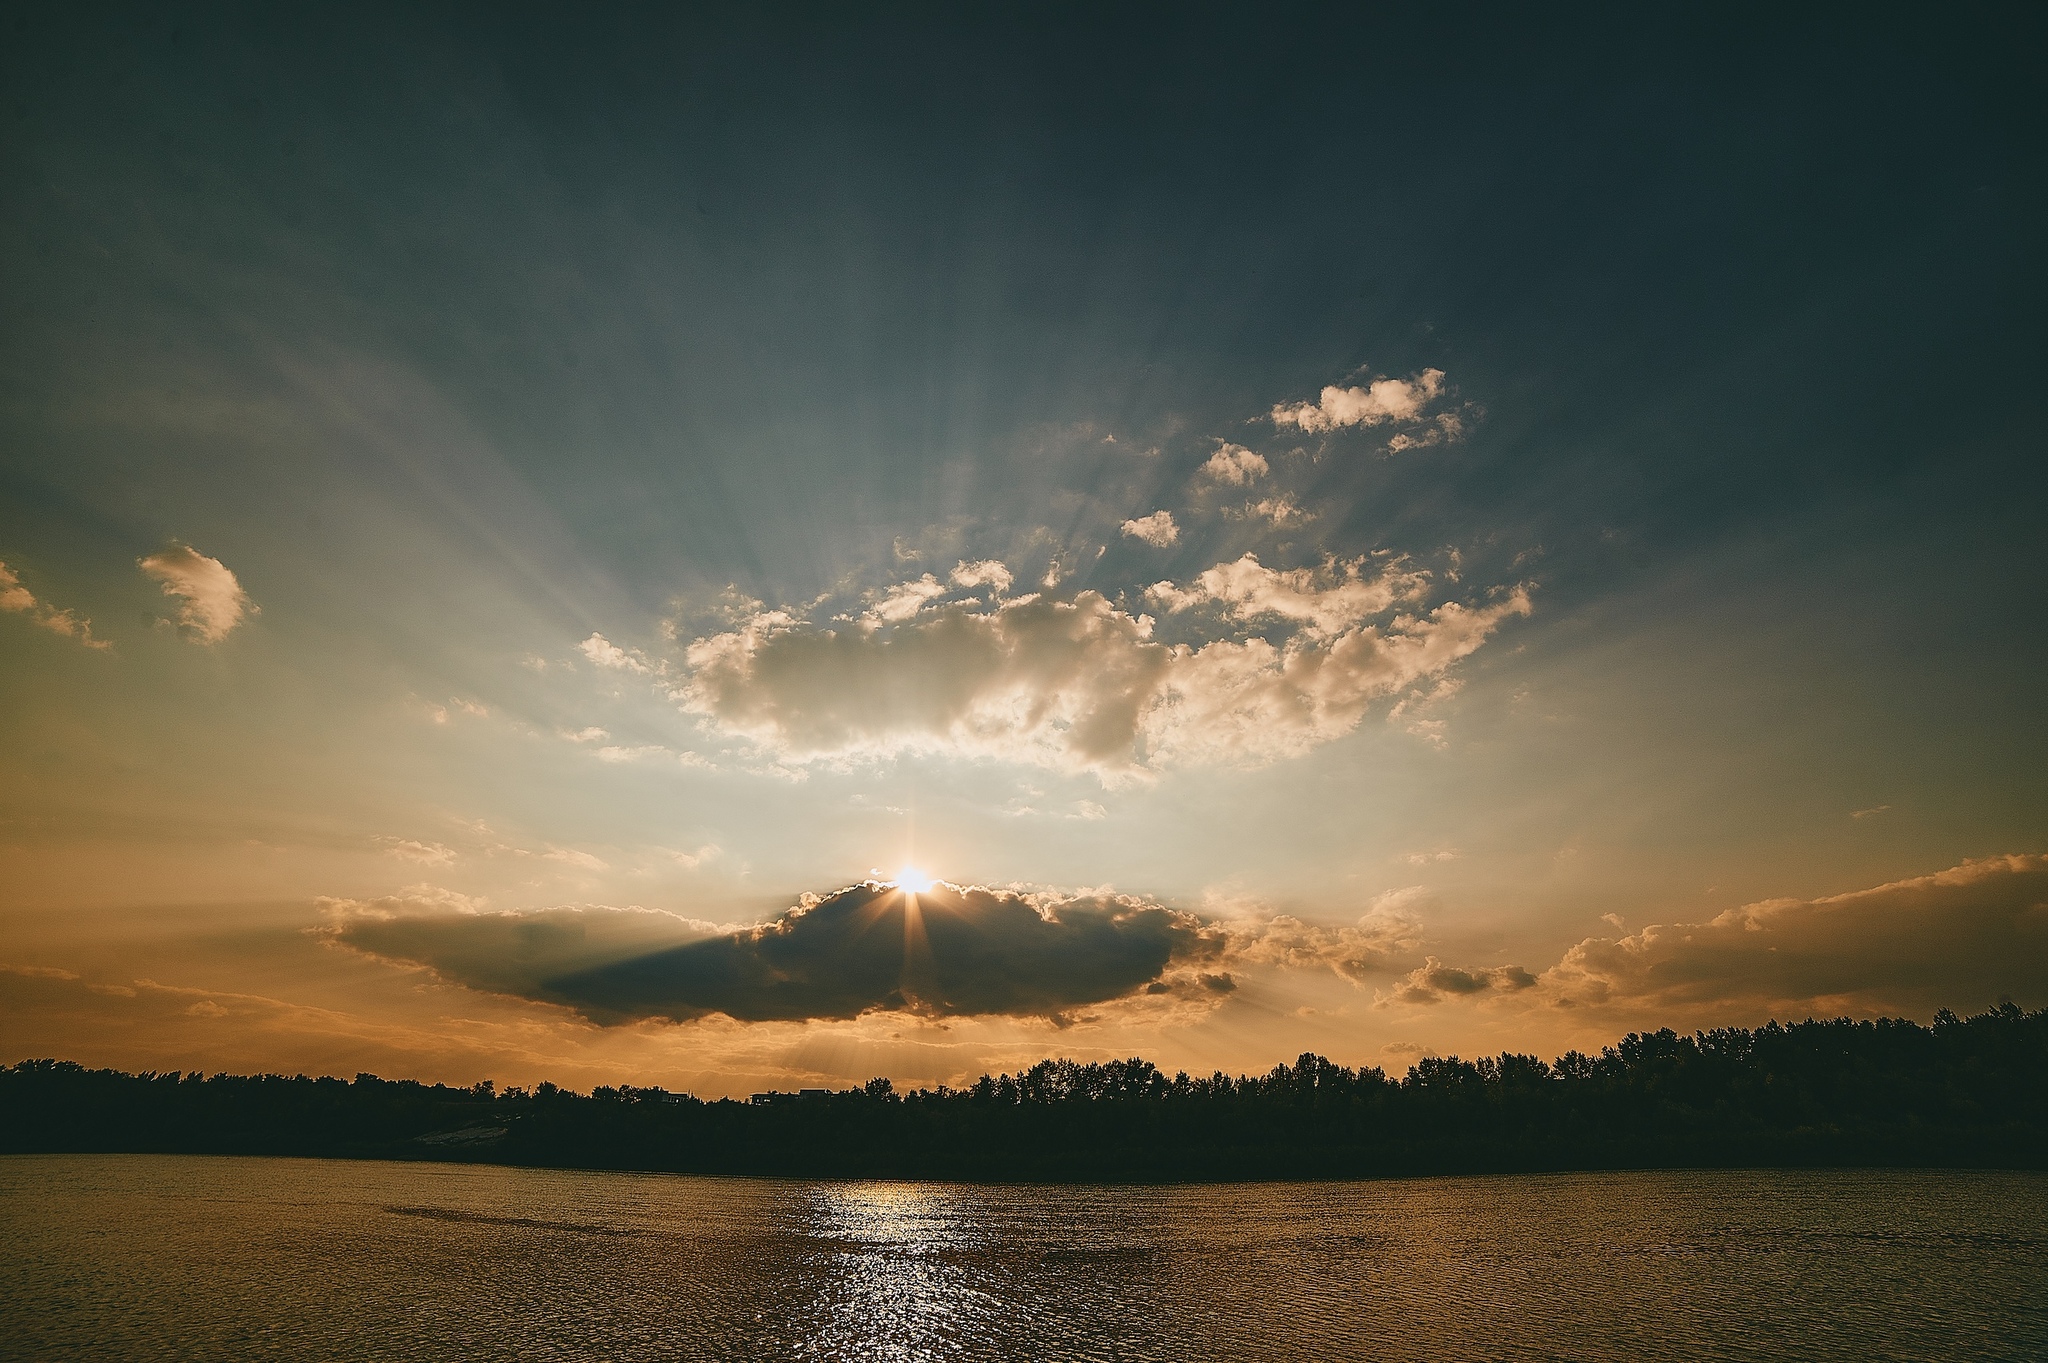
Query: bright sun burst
x=911 y=879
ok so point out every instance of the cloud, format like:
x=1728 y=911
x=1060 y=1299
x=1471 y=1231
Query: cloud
x=605 y=653
x=426 y=853
x=1157 y=529
x=615 y=753
x=19 y=599
x=904 y=600
x=503 y=952
x=1433 y=981
x=1078 y=683
x=952 y=952
x=1326 y=600
x=1350 y=952
x=987 y=573
x=1447 y=427
x=1379 y=402
x=1870 y=813
x=1975 y=932
x=1236 y=465
x=593 y=734
x=1281 y=511
x=210 y=601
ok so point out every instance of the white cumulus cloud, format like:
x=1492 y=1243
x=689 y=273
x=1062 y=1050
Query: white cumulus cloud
x=986 y=573
x=905 y=599
x=1378 y=402
x=210 y=601
x=605 y=653
x=1236 y=465
x=1157 y=529
x=1080 y=684
x=1326 y=600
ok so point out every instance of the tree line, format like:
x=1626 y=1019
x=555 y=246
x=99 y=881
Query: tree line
x=1959 y=1092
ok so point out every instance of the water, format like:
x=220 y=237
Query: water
x=165 y=1257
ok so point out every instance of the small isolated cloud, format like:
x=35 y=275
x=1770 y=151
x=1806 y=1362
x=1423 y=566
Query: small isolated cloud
x=569 y=856
x=605 y=653
x=1377 y=403
x=210 y=601
x=986 y=573
x=593 y=734
x=1157 y=529
x=1281 y=511
x=1975 y=932
x=952 y=952
x=16 y=598
x=1428 y=858
x=1236 y=465
x=1870 y=813
x=690 y=861
x=1433 y=982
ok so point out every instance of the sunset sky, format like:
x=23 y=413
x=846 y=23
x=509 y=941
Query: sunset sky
x=530 y=534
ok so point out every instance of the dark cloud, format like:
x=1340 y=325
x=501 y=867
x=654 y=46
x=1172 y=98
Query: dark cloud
x=507 y=953
x=1433 y=981
x=949 y=952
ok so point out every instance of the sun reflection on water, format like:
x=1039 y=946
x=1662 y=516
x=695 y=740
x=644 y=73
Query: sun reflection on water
x=899 y=1280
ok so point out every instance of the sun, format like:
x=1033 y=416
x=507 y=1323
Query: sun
x=911 y=879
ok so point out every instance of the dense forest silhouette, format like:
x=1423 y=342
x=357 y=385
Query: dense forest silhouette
x=1960 y=1092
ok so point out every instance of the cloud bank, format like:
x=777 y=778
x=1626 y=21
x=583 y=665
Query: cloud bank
x=1964 y=937
x=1974 y=932
x=210 y=601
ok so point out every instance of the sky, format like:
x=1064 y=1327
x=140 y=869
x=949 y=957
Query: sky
x=763 y=549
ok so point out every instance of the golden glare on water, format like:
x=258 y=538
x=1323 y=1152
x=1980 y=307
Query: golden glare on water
x=913 y=880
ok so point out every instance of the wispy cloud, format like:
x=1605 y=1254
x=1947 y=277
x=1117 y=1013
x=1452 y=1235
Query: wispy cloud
x=424 y=853
x=210 y=601
x=1281 y=511
x=18 y=599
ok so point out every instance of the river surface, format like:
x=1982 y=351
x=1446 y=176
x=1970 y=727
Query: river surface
x=111 y=1257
